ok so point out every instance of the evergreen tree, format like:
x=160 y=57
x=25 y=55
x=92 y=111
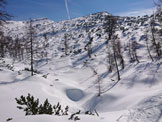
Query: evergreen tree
x=46 y=108
x=32 y=105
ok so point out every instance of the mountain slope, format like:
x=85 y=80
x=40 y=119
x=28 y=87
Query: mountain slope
x=72 y=79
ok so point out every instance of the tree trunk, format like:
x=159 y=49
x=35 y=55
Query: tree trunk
x=149 y=50
x=31 y=41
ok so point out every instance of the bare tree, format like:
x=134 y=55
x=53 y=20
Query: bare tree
x=53 y=30
x=159 y=10
x=89 y=45
x=86 y=27
x=130 y=51
x=110 y=26
x=16 y=48
x=95 y=73
x=154 y=41
x=115 y=56
x=3 y=45
x=45 y=45
x=110 y=59
x=30 y=45
x=31 y=33
x=148 y=49
x=99 y=85
x=119 y=52
x=66 y=45
x=4 y=16
x=134 y=51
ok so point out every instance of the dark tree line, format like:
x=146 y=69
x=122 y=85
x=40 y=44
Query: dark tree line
x=4 y=16
x=17 y=48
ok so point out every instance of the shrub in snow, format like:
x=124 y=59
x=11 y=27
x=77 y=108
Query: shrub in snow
x=9 y=119
x=89 y=113
x=32 y=107
x=74 y=117
x=66 y=110
x=10 y=67
x=46 y=108
x=35 y=71
x=19 y=73
x=45 y=76
x=57 y=109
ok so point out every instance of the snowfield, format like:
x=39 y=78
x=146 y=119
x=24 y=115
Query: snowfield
x=137 y=97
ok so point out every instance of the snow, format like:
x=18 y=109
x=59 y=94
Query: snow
x=112 y=104
x=137 y=97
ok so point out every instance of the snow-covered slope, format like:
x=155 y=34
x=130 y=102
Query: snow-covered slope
x=71 y=79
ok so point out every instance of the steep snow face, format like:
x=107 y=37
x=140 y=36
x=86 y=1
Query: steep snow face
x=75 y=79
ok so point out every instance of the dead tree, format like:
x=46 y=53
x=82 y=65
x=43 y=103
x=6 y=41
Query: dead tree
x=130 y=51
x=31 y=45
x=134 y=51
x=45 y=45
x=66 y=46
x=159 y=10
x=4 y=16
x=3 y=45
x=53 y=30
x=99 y=85
x=95 y=73
x=154 y=41
x=89 y=45
x=148 y=49
x=119 y=53
x=86 y=27
x=115 y=56
x=110 y=27
x=110 y=60
x=16 y=47
x=31 y=34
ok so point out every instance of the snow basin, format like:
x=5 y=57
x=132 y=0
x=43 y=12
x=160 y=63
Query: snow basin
x=74 y=94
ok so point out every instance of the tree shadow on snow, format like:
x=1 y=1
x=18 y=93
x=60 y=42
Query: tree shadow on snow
x=14 y=81
x=144 y=74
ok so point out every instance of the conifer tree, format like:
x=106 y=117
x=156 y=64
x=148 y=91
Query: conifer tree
x=46 y=108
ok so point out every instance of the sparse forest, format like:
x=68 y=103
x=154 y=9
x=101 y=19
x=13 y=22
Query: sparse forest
x=99 y=67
